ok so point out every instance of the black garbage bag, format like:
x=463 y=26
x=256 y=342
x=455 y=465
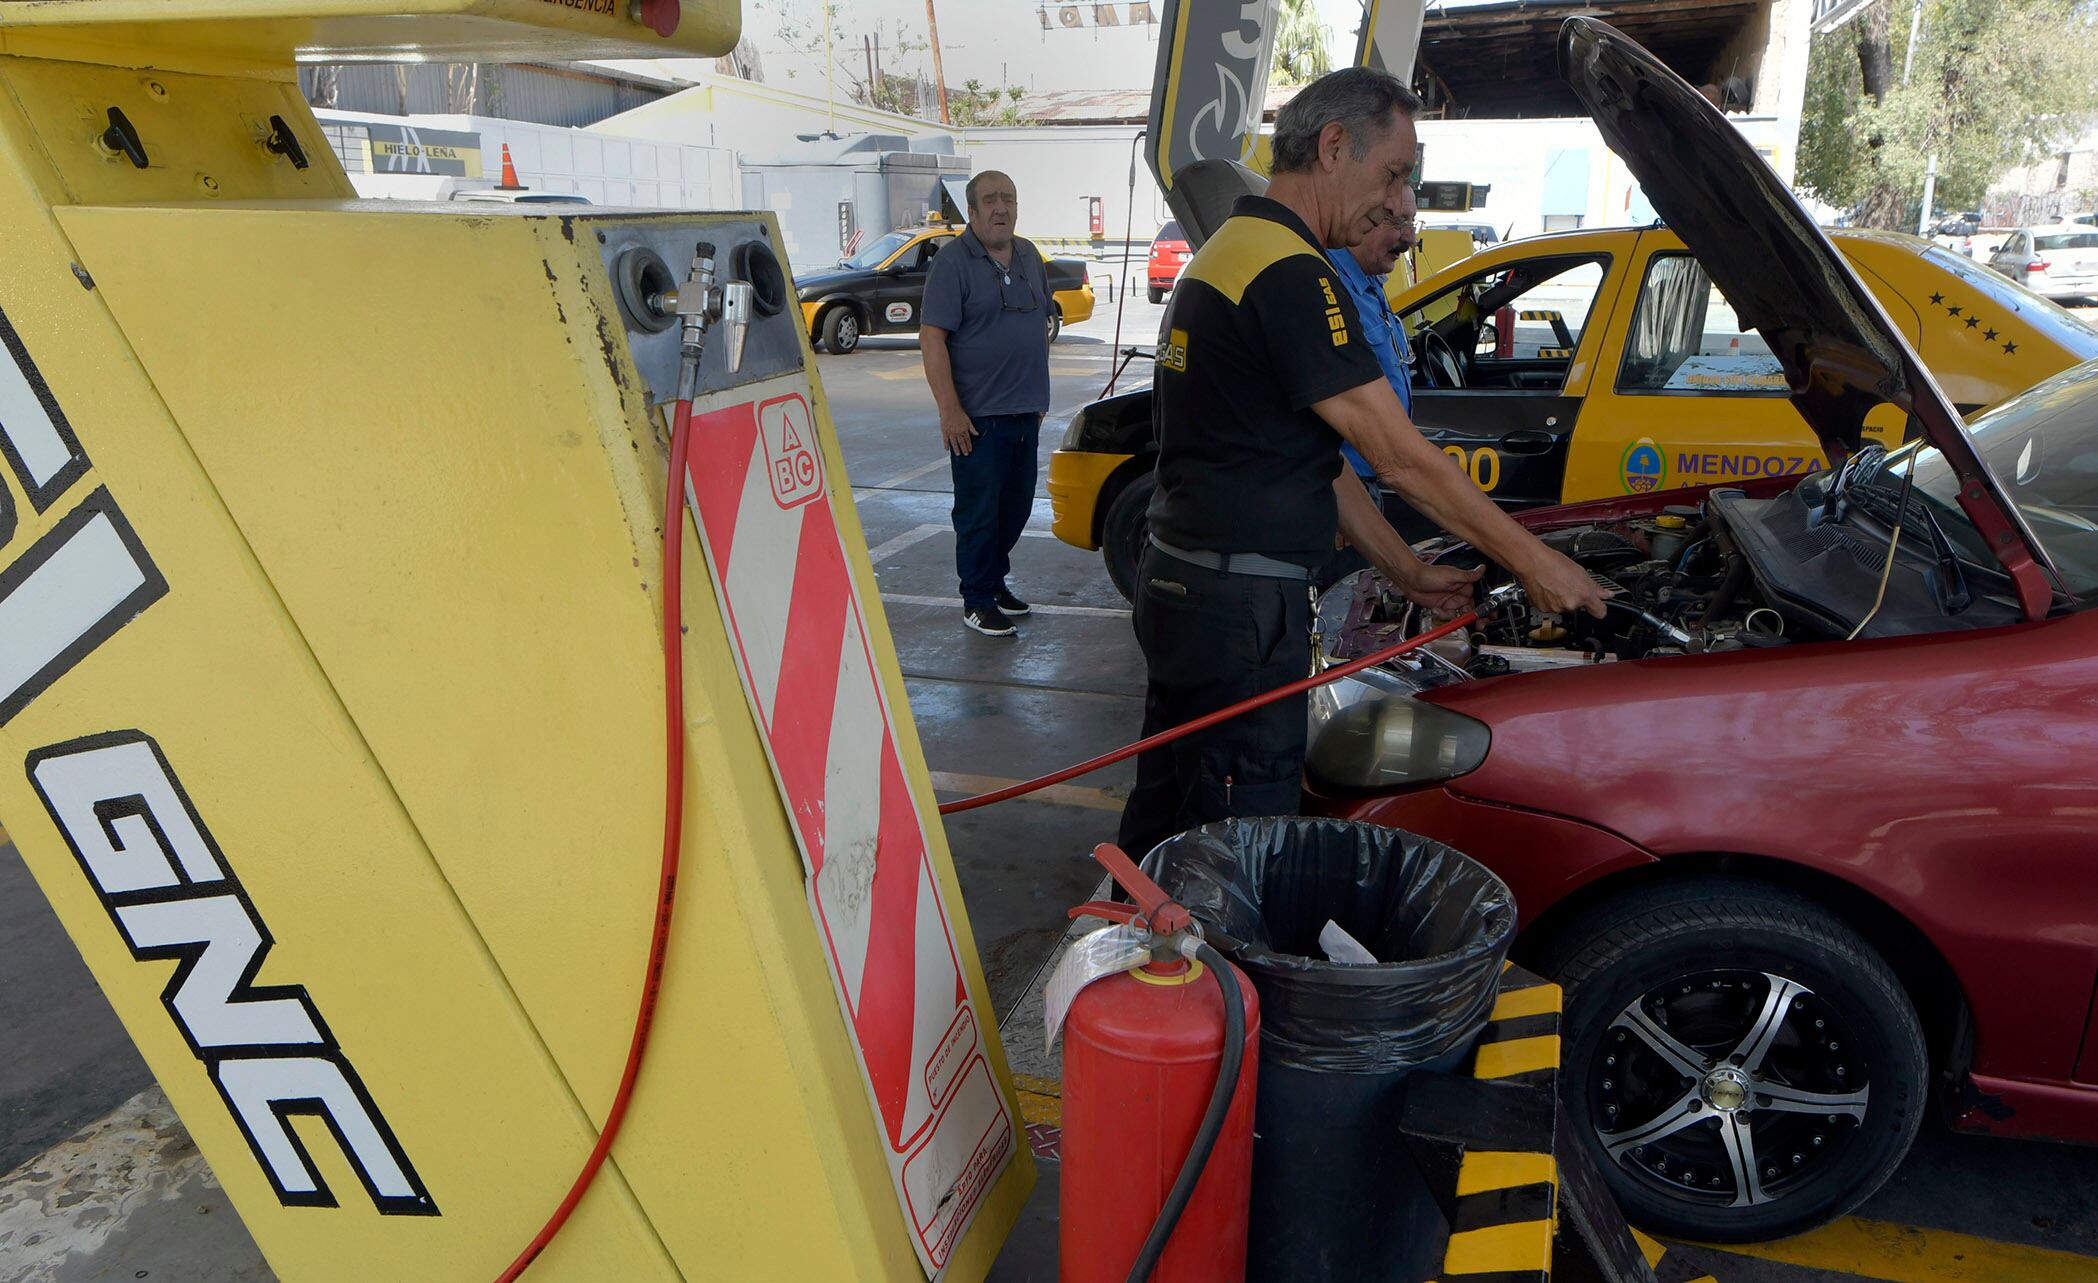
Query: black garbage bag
x=1337 y=1197
x=1438 y=921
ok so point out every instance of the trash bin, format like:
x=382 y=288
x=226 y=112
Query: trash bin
x=1337 y=1196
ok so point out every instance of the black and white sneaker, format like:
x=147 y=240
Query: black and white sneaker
x=1010 y=604
x=988 y=620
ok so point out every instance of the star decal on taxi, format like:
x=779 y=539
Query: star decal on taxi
x=1974 y=321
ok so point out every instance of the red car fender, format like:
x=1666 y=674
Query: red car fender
x=1542 y=858
x=1947 y=775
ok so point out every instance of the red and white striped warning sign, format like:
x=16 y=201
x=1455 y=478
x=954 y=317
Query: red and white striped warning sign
x=756 y=479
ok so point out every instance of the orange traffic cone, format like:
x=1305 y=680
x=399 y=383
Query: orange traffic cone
x=509 y=183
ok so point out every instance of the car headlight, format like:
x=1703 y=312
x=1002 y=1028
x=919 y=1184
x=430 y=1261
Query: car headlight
x=1074 y=434
x=1369 y=732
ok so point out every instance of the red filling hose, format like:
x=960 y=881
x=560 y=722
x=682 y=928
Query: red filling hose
x=1208 y=720
x=673 y=834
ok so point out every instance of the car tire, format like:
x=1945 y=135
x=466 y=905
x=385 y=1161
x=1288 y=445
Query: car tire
x=1056 y=321
x=1124 y=531
x=1157 y=294
x=841 y=329
x=1704 y=961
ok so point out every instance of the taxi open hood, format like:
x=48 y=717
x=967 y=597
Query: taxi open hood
x=1840 y=353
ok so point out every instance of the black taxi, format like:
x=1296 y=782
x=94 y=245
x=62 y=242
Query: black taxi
x=880 y=289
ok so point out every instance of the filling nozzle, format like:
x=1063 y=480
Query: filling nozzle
x=695 y=301
x=700 y=303
x=738 y=306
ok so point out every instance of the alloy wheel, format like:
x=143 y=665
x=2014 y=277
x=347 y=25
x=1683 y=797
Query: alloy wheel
x=1729 y=1088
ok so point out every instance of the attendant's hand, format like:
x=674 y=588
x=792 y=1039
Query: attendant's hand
x=1444 y=591
x=1556 y=586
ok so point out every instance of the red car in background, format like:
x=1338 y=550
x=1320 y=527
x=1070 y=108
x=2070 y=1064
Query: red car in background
x=1169 y=253
x=1807 y=826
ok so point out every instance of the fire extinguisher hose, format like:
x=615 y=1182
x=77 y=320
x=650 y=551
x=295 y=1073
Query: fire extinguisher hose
x=1206 y=1135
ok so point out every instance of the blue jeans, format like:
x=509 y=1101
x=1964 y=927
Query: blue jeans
x=993 y=497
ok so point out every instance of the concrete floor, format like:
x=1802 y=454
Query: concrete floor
x=1961 y=1210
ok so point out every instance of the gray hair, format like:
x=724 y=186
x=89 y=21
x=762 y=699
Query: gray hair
x=969 y=191
x=1362 y=100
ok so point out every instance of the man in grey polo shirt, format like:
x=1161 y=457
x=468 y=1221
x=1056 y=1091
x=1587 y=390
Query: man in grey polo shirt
x=985 y=335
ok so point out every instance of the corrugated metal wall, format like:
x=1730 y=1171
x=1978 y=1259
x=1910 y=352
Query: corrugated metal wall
x=541 y=94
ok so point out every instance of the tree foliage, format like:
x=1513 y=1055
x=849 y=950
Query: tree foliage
x=974 y=104
x=863 y=74
x=1993 y=84
x=1300 y=55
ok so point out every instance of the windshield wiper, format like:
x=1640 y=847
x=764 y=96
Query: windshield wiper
x=1949 y=583
x=1860 y=467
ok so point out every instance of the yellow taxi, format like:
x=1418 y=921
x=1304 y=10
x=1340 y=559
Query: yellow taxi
x=880 y=289
x=1603 y=362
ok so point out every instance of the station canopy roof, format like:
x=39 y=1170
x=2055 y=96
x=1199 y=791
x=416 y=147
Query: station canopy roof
x=1500 y=59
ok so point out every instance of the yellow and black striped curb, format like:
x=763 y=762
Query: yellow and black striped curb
x=1525 y=1194
x=1506 y=1205
x=1556 y=320
x=1667 y=1271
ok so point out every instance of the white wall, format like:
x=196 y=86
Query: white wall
x=1513 y=155
x=1055 y=167
x=616 y=171
x=647 y=173
x=724 y=111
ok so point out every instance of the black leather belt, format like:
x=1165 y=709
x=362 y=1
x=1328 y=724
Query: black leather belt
x=1236 y=563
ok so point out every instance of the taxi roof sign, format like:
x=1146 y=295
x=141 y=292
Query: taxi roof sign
x=406 y=30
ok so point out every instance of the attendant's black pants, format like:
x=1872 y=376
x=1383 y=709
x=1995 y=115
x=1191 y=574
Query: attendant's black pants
x=1211 y=639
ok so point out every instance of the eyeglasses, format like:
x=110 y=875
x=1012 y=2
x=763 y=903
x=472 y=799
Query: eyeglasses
x=1015 y=291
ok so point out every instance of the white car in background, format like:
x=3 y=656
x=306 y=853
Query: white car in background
x=2059 y=262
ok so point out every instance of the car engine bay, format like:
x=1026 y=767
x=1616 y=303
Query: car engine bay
x=1731 y=573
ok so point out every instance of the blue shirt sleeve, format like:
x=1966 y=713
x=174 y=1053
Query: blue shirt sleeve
x=1382 y=331
x=942 y=304
x=1404 y=381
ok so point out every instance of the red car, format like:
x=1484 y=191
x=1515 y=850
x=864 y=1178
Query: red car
x=1808 y=825
x=1169 y=253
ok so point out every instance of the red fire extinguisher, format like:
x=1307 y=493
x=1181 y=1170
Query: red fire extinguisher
x=1095 y=218
x=1159 y=1074
x=1504 y=333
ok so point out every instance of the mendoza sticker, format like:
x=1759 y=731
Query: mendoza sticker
x=1644 y=468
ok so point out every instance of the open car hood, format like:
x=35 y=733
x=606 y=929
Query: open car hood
x=1841 y=355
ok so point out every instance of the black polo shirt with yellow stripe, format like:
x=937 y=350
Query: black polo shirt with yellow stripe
x=1259 y=331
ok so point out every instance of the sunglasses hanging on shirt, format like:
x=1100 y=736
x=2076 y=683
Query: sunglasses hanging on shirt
x=1015 y=291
